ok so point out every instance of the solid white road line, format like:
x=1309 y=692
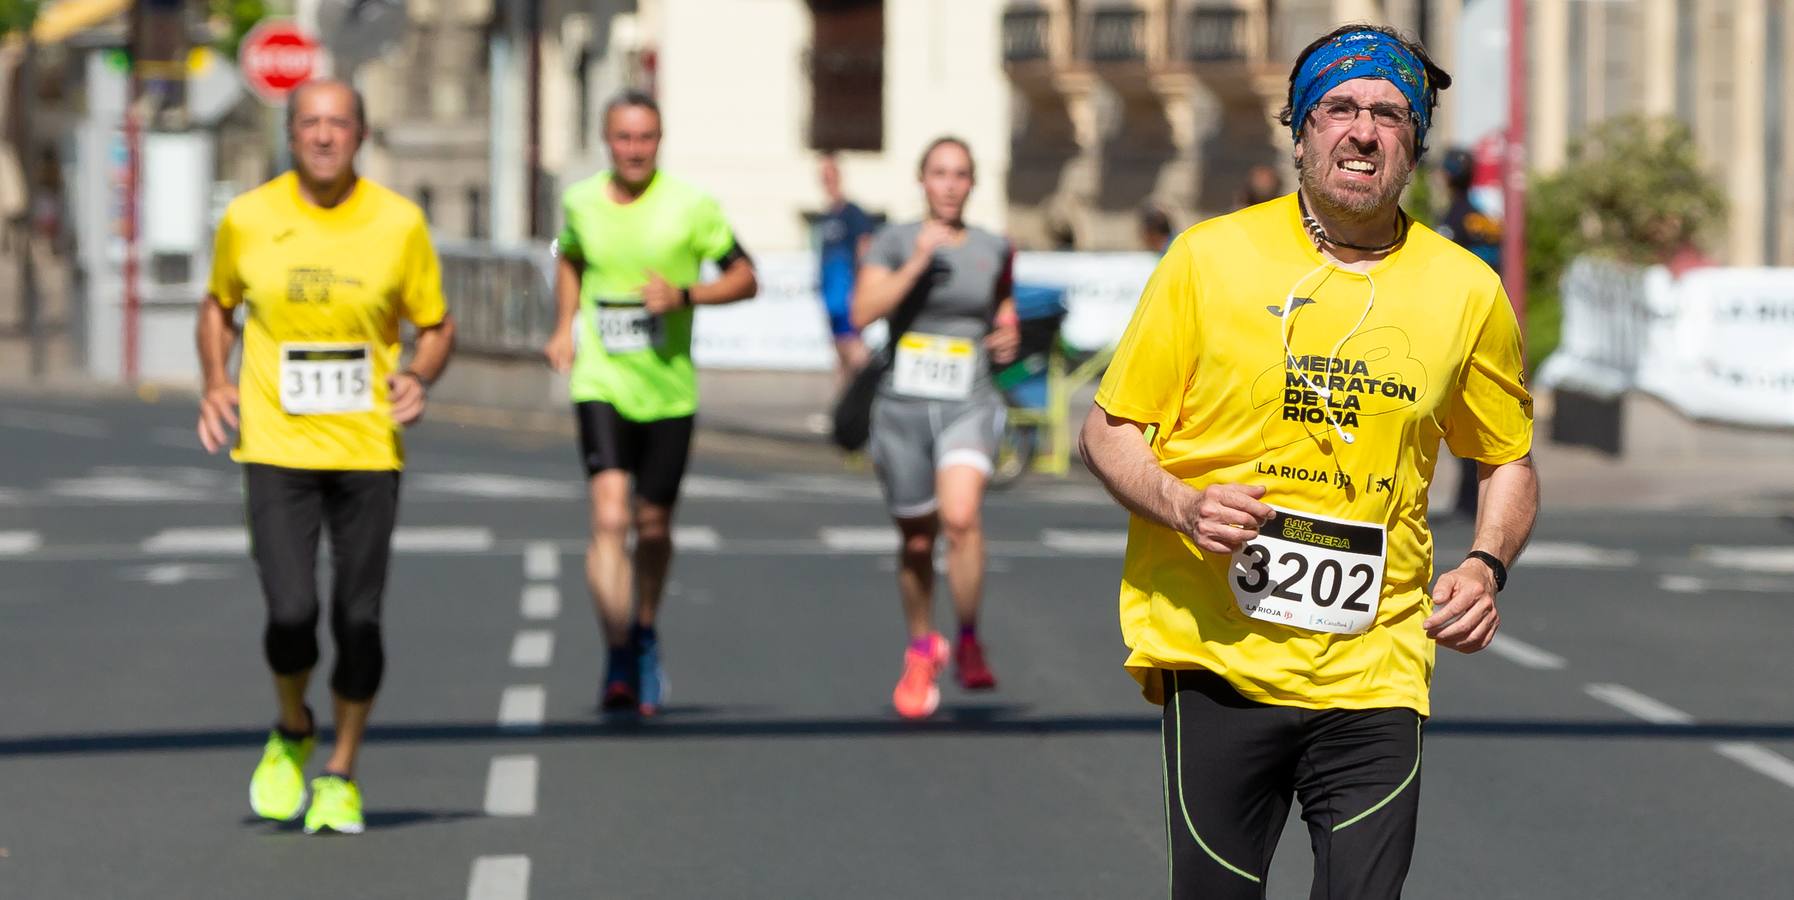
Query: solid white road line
x=19 y=543
x=541 y=601
x=541 y=561
x=1521 y=653
x=414 y=539
x=1779 y=560
x=522 y=707
x=1638 y=705
x=499 y=878
x=199 y=542
x=1760 y=759
x=696 y=537
x=532 y=649
x=860 y=539
x=511 y=786
x=1563 y=554
x=1092 y=543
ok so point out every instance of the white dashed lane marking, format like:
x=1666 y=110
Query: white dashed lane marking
x=1776 y=560
x=879 y=539
x=532 y=649
x=511 y=786
x=1566 y=555
x=198 y=542
x=1638 y=705
x=541 y=561
x=499 y=878
x=521 y=708
x=541 y=602
x=19 y=543
x=1756 y=757
x=1085 y=543
x=1521 y=653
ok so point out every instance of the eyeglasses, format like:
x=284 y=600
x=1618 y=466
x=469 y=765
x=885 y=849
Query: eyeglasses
x=1345 y=112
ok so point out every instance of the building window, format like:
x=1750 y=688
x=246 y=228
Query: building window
x=847 y=75
x=476 y=214
x=1775 y=108
x=1578 y=45
x=1687 y=61
x=1619 y=53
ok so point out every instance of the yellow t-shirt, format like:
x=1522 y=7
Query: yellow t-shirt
x=326 y=289
x=1438 y=355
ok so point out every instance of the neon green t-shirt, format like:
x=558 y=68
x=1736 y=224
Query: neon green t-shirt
x=638 y=363
x=1421 y=350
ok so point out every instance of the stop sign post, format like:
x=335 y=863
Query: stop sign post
x=277 y=56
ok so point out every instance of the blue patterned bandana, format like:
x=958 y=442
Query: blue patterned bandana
x=1362 y=54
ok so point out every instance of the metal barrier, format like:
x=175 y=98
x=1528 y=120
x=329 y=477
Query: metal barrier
x=1606 y=315
x=502 y=296
x=1055 y=419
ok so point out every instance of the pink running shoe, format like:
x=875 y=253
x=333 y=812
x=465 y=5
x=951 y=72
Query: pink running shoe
x=917 y=696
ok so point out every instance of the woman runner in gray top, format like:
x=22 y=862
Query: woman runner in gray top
x=938 y=416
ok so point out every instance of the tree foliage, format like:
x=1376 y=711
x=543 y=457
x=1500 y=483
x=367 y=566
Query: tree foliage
x=1632 y=189
x=17 y=14
x=232 y=19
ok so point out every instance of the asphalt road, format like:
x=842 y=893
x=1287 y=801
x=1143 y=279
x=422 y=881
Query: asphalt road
x=1630 y=736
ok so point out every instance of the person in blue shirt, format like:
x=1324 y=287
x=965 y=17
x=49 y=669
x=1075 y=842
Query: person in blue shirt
x=1470 y=227
x=843 y=232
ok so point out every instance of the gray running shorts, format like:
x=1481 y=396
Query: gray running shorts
x=913 y=439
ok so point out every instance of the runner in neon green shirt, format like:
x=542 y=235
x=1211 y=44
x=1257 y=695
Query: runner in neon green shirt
x=634 y=240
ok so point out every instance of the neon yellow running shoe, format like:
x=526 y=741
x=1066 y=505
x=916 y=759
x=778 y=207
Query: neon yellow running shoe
x=335 y=804
x=277 y=789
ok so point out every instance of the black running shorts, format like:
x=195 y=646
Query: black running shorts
x=653 y=453
x=1232 y=766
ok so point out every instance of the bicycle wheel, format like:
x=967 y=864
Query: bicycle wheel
x=1015 y=454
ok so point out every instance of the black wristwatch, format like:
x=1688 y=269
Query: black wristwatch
x=1495 y=565
x=685 y=297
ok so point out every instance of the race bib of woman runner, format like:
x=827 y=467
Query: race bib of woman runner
x=934 y=367
x=627 y=329
x=326 y=378
x=1312 y=572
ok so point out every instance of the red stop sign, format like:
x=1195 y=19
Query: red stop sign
x=277 y=56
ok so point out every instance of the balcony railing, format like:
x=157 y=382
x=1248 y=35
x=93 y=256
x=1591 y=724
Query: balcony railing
x=1216 y=36
x=1117 y=36
x=1025 y=35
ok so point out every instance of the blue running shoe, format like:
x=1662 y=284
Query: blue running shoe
x=651 y=681
x=621 y=681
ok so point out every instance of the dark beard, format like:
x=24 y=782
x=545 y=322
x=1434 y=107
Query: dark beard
x=1348 y=207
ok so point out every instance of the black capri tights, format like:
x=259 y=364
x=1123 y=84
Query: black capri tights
x=287 y=510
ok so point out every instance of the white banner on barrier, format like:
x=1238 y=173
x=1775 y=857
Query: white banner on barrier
x=785 y=328
x=1721 y=345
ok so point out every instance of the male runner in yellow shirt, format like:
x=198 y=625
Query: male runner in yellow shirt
x=1272 y=418
x=327 y=264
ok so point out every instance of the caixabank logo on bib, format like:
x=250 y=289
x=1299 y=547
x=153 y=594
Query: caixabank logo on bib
x=1373 y=375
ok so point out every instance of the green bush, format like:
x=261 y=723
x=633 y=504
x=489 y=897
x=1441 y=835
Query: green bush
x=1631 y=189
